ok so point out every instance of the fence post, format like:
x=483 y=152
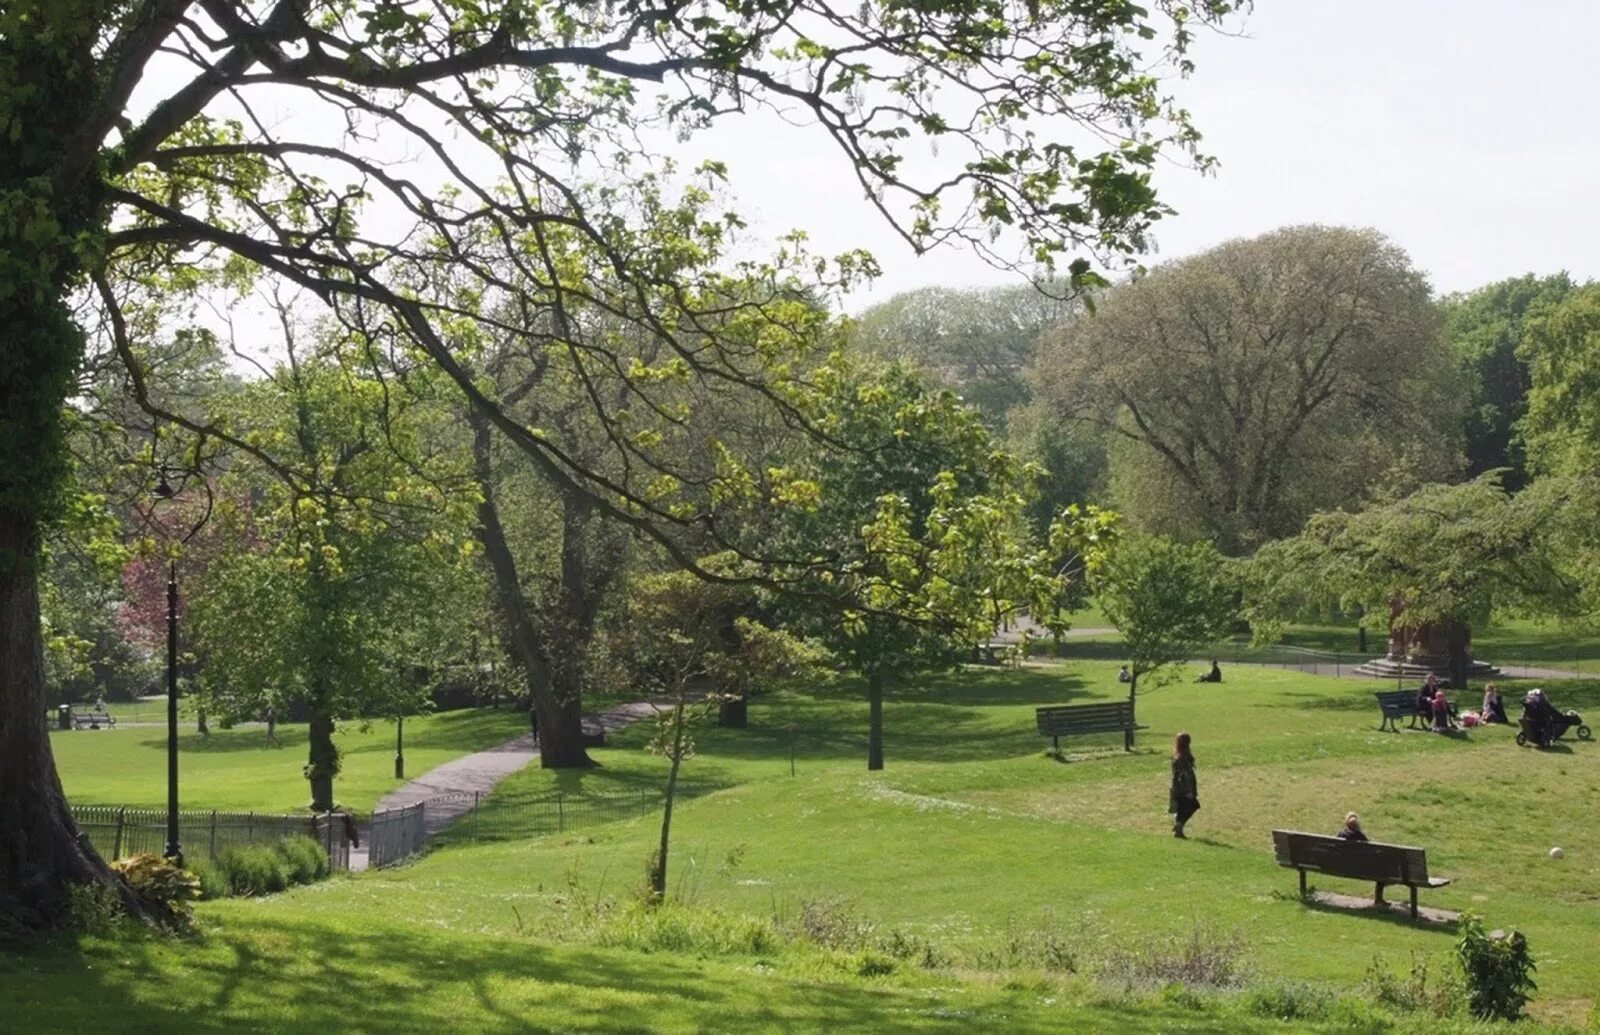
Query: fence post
x=116 y=849
x=329 y=818
x=213 y=833
x=474 y=815
x=561 y=819
x=250 y=829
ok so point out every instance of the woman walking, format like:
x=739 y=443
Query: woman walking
x=1184 y=799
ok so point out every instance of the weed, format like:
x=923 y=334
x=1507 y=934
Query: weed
x=93 y=908
x=1206 y=958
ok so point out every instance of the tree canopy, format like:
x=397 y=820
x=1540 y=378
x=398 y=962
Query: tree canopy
x=1246 y=387
x=152 y=157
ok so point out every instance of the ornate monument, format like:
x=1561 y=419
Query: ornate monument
x=1414 y=653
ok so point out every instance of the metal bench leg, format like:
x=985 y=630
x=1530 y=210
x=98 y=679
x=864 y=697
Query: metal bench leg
x=1413 y=901
x=1127 y=740
x=1302 y=883
x=1377 y=898
x=1056 y=744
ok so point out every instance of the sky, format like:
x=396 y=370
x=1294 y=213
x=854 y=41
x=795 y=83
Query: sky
x=1465 y=130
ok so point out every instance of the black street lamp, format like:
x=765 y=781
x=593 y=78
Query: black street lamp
x=400 y=747
x=174 y=850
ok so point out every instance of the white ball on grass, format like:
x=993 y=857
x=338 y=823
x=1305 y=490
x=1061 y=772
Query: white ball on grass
x=1556 y=853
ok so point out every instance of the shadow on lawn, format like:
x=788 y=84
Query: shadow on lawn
x=266 y=974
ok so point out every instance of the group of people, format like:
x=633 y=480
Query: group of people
x=1431 y=701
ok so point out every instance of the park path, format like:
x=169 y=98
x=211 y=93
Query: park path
x=448 y=789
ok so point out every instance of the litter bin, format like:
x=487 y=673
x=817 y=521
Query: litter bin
x=64 y=716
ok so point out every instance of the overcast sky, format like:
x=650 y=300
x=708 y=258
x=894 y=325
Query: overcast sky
x=1466 y=130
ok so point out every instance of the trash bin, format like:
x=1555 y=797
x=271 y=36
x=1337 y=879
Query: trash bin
x=64 y=716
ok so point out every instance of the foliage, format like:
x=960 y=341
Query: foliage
x=1498 y=969
x=1255 y=383
x=1487 y=328
x=161 y=882
x=978 y=342
x=94 y=909
x=1445 y=553
x=1561 y=346
x=1169 y=600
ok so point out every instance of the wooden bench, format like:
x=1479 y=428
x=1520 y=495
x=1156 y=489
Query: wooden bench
x=1382 y=864
x=1397 y=704
x=92 y=720
x=1065 y=720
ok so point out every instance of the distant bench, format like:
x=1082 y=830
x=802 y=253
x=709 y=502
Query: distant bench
x=1359 y=860
x=1066 y=720
x=92 y=720
x=1397 y=704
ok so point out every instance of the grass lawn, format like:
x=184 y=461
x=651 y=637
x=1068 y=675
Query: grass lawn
x=972 y=840
x=236 y=769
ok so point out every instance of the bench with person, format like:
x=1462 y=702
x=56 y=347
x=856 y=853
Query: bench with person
x=1398 y=704
x=92 y=718
x=1383 y=864
x=1067 y=720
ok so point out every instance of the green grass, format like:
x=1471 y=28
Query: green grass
x=237 y=770
x=971 y=835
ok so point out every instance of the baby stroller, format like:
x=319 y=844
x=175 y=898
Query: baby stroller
x=1559 y=723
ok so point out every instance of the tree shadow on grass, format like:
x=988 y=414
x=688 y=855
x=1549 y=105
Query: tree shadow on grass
x=263 y=973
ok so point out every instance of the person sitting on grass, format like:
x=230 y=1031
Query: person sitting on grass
x=1494 y=709
x=1351 y=831
x=1214 y=676
x=1124 y=676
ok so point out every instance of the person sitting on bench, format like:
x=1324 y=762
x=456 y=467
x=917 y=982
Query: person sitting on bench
x=1214 y=676
x=1351 y=831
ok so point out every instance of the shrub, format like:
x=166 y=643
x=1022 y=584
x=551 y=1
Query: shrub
x=161 y=882
x=1498 y=970
x=254 y=869
x=1043 y=946
x=93 y=908
x=307 y=861
x=213 y=880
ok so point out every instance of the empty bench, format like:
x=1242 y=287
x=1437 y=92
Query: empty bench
x=1066 y=720
x=1397 y=704
x=1382 y=864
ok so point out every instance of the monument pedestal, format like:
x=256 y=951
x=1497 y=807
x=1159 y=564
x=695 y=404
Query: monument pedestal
x=1415 y=654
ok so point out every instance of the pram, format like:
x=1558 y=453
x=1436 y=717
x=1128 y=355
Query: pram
x=1560 y=722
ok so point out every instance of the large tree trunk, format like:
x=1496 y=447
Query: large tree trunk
x=1458 y=639
x=875 y=719
x=41 y=852
x=560 y=723
x=322 y=765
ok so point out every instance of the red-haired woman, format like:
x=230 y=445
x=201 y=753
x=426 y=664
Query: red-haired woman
x=1184 y=799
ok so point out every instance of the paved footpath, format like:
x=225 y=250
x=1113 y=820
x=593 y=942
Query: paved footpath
x=455 y=782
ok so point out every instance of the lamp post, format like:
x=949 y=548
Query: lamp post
x=174 y=850
x=400 y=747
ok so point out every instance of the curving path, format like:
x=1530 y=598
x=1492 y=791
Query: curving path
x=455 y=782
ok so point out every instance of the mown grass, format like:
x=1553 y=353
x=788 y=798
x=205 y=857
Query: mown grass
x=237 y=770
x=972 y=841
x=972 y=824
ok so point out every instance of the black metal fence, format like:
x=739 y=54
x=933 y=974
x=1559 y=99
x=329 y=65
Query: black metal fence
x=118 y=831
x=513 y=817
x=396 y=835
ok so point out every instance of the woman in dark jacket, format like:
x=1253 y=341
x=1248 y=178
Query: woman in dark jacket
x=1183 y=801
x=1352 y=828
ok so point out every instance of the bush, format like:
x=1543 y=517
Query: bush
x=306 y=860
x=93 y=908
x=1498 y=970
x=254 y=870
x=161 y=882
x=1412 y=993
x=213 y=880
